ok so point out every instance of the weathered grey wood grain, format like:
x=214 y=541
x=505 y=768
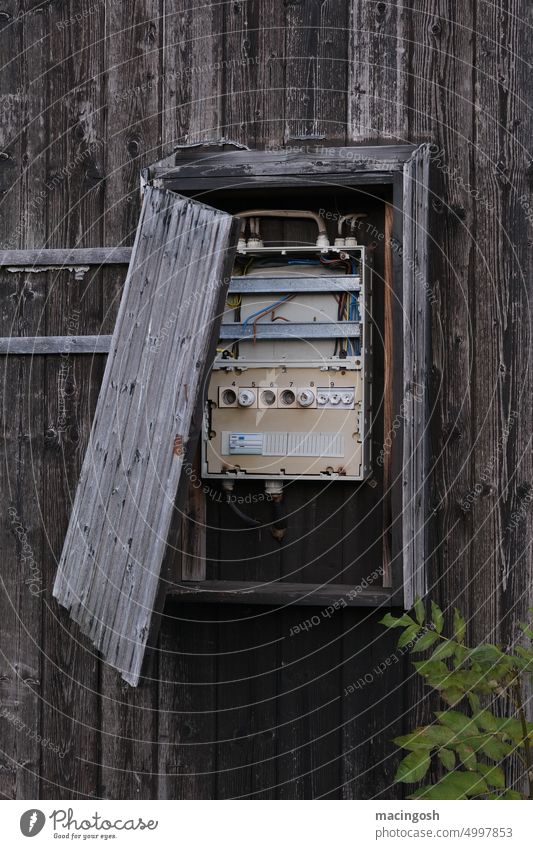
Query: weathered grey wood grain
x=324 y=159
x=134 y=82
x=416 y=290
x=23 y=168
x=279 y=592
x=72 y=257
x=36 y=345
x=166 y=328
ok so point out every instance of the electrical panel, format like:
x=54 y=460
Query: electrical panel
x=290 y=392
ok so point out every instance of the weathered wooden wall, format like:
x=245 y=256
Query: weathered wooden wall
x=92 y=91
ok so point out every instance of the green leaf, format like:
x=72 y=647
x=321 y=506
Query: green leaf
x=526 y=629
x=459 y=722
x=467 y=756
x=420 y=613
x=433 y=736
x=444 y=650
x=437 y=617
x=414 y=741
x=460 y=785
x=459 y=626
x=495 y=749
x=447 y=759
x=428 y=792
x=487 y=721
x=426 y=641
x=452 y=695
x=485 y=654
x=474 y=702
x=493 y=775
x=511 y=728
x=512 y=794
x=397 y=621
x=408 y=636
x=413 y=767
x=461 y=653
x=431 y=668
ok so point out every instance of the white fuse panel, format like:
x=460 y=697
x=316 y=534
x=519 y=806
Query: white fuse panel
x=289 y=394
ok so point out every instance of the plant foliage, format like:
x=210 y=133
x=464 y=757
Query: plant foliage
x=467 y=740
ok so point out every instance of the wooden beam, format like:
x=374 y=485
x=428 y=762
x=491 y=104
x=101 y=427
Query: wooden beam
x=280 y=593
x=36 y=345
x=65 y=257
x=387 y=391
x=299 y=162
x=416 y=295
x=193 y=527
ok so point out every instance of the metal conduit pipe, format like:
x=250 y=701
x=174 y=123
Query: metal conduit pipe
x=322 y=240
x=352 y=216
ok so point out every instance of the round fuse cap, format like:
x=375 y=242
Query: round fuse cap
x=246 y=397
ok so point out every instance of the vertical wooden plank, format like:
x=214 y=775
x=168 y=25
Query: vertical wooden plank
x=441 y=111
x=309 y=704
x=22 y=584
x=24 y=579
x=500 y=262
x=501 y=495
x=254 y=72
x=316 y=81
x=192 y=546
x=415 y=374
x=241 y=86
x=192 y=82
x=133 y=37
x=133 y=64
x=378 y=78
x=73 y=200
x=373 y=687
x=388 y=344
x=187 y=703
x=246 y=702
x=271 y=74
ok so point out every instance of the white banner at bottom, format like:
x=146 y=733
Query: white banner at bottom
x=267 y=824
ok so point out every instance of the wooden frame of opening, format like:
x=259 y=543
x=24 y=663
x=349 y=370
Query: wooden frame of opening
x=405 y=169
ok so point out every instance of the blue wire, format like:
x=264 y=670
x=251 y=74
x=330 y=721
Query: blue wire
x=264 y=310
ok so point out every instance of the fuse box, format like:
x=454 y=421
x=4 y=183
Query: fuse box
x=290 y=392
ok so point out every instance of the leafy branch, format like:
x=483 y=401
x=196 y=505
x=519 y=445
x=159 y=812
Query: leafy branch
x=470 y=744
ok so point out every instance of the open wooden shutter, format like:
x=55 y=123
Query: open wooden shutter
x=417 y=295
x=160 y=353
